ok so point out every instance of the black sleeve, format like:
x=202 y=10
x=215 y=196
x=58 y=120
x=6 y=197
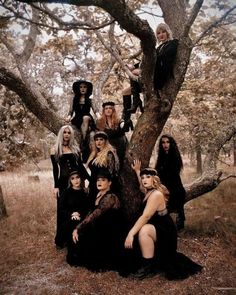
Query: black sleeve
x=111 y=164
x=82 y=169
x=55 y=171
x=107 y=202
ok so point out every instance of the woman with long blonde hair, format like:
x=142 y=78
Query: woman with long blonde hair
x=65 y=158
x=156 y=232
x=114 y=128
x=103 y=155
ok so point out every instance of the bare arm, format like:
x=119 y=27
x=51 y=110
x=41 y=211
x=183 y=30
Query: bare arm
x=154 y=202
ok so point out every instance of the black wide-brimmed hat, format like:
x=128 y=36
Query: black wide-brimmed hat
x=108 y=103
x=148 y=171
x=74 y=172
x=101 y=134
x=76 y=86
x=104 y=173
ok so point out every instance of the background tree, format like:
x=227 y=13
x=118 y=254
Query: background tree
x=91 y=28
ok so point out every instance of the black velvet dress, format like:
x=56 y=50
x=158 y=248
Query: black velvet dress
x=62 y=167
x=100 y=237
x=173 y=264
x=169 y=172
x=166 y=54
x=71 y=201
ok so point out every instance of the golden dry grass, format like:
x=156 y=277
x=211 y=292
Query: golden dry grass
x=30 y=264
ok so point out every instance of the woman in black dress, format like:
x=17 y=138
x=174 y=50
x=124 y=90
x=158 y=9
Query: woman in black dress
x=169 y=165
x=165 y=56
x=65 y=158
x=114 y=128
x=97 y=240
x=103 y=156
x=156 y=231
x=73 y=205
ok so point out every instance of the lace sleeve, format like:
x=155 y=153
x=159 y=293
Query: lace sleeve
x=107 y=202
x=112 y=163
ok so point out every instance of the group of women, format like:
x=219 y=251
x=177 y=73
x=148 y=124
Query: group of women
x=90 y=221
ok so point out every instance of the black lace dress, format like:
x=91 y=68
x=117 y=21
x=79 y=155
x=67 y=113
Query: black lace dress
x=173 y=264
x=101 y=237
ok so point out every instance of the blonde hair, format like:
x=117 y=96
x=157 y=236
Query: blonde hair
x=101 y=123
x=164 y=27
x=72 y=142
x=160 y=187
x=100 y=157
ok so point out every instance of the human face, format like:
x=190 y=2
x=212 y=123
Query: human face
x=165 y=142
x=83 y=88
x=66 y=134
x=162 y=35
x=103 y=184
x=100 y=143
x=147 y=181
x=75 y=181
x=108 y=110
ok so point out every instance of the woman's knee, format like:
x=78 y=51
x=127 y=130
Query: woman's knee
x=86 y=119
x=126 y=91
x=148 y=230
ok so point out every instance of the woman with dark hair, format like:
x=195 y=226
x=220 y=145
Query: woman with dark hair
x=73 y=205
x=65 y=158
x=80 y=107
x=114 y=128
x=104 y=156
x=169 y=165
x=97 y=240
x=156 y=233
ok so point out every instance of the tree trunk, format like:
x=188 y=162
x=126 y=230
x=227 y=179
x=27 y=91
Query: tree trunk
x=3 y=211
x=234 y=150
x=198 y=156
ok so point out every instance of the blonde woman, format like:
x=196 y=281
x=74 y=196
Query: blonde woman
x=65 y=158
x=156 y=232
x=103 y=155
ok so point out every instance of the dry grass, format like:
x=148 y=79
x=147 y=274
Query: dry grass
x=30 y=264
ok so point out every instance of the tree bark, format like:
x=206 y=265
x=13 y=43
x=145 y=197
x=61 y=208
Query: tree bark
x=3 y=211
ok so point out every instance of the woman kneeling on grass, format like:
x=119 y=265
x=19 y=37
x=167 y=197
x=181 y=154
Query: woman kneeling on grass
x=97 y=241
x=156 y=231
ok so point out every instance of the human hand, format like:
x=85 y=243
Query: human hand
x=75 y=216
x=129 y=241
x=68 y=119
x=136 y=165
x=75 y=236
x=56 y=192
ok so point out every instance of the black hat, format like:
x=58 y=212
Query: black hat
x=108 y=103
x=148 y=171
x=74 y=172
x=101 y=134
x=76 y=86
x=104 y=173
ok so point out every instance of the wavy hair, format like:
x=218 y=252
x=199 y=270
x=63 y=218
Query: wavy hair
x=166 y=28
x=100 y=158
x=101 y=123
x=74 y=147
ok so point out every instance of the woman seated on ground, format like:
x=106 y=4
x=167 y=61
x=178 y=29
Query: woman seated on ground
x=156 y=231
x=73 y=205
x=114 y=128
x=97 y=241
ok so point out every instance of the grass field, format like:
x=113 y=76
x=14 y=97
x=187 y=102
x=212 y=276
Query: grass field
x=30 y=264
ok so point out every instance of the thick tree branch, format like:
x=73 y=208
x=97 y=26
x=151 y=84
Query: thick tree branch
x=197 y=6
x=46 y=116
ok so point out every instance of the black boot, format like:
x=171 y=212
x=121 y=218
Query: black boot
x=146 y=270
x=137 y=102
x=126 y=115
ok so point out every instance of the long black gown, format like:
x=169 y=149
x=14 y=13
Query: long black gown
x=101 y=237
x=71 y=201
x=62 y=167
x=173 y=264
